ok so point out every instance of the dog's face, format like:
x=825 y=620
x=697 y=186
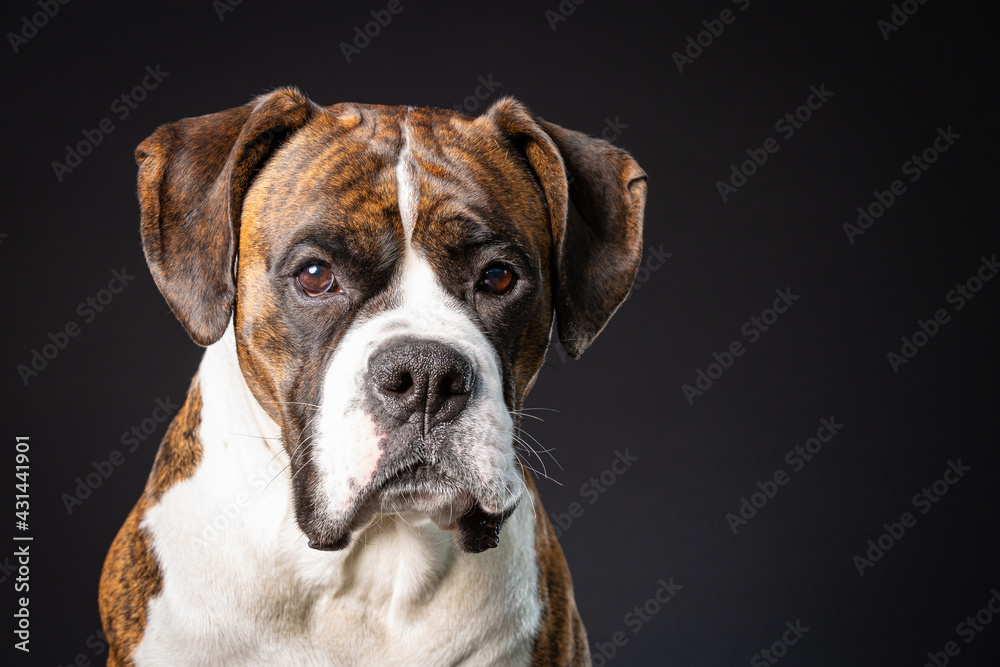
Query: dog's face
x=392 y=309
x=391 y=274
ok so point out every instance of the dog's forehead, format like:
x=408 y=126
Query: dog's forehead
x=353 y=168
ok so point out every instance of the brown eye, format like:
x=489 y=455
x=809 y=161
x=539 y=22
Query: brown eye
x=317 y=279
x=497 y=280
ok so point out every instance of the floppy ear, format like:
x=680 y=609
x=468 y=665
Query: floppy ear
x=596 y=194
x=193 y=175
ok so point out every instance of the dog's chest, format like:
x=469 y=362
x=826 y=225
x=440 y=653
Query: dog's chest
x=241 y=587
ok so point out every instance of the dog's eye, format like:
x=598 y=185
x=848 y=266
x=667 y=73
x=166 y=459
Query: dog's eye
x=497 y=280
x=317 y=279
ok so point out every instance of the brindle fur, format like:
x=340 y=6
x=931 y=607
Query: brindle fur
x=251 y=184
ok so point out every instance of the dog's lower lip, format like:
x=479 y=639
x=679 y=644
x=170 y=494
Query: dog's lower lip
x=479 y=530
x=419 y=482
x=336 y=545
x=427 y=500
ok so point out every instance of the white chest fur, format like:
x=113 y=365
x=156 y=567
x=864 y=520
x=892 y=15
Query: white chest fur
x=241 y=586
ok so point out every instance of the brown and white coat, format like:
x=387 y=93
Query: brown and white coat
x=292 y=436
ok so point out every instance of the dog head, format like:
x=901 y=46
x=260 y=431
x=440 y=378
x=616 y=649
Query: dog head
x=391 y=275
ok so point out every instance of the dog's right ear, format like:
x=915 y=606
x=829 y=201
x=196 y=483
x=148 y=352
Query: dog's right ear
x=193 y=176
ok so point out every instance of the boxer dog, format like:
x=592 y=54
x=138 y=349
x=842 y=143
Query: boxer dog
x=376 y=288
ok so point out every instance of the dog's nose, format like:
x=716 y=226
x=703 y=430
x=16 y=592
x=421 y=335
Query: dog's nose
x=421 y=377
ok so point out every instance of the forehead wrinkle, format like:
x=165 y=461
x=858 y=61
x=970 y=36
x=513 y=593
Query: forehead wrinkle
x=467 y=230
x=450 y=189
x=455 y=164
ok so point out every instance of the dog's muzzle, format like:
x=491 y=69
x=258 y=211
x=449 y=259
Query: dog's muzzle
x=418 y=393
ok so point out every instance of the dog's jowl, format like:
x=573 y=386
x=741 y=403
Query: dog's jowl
x=375 y=287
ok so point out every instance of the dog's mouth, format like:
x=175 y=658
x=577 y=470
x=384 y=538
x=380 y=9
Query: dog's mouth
x=422 y=489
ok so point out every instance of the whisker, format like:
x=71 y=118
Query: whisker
x=537 y=473
x=543 y=449
x=311 y=405
x=521 y=414
x=540 y=475
x=250 y=435
x=531 y=449
x=552 y=365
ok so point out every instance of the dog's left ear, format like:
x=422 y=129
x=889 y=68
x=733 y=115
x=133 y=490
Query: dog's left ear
x=193 y=176
x=596 y=194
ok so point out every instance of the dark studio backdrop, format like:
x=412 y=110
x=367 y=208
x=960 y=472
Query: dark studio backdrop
x=783 y=448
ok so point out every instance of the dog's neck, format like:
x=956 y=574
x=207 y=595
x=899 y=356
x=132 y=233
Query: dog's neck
x=231 y=527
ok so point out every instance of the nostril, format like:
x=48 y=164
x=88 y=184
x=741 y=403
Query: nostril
x=454 y=384
x=401 y=384
x=451 y=393
x=394 y=380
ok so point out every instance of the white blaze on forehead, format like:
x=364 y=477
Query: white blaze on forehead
x=407 y=185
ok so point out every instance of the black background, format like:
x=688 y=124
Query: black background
x=666 y=515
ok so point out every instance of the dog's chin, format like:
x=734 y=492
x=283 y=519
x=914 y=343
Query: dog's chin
x=475 y=524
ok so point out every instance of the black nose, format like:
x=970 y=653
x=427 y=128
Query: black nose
x=421 y=378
